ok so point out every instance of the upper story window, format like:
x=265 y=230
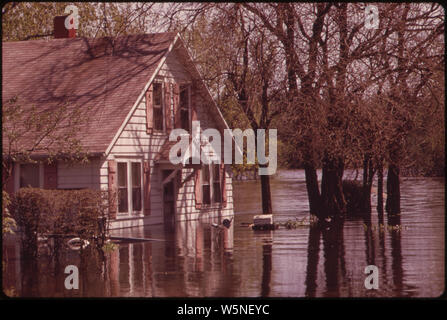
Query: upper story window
x=158 y=106
x=184 y=107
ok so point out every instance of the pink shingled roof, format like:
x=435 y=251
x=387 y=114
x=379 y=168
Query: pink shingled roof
x=103 y=77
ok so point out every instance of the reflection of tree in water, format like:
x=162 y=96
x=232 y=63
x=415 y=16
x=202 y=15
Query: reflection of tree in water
x=396 y=254
x=210 y=270
x=369 y=241
x=334 y=258
x=313 y=253
x=266 y=269
x=30 y=277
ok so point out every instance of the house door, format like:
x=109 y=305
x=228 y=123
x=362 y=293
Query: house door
x=168 y=200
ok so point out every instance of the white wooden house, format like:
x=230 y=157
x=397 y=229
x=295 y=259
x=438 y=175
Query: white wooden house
x=133 y=91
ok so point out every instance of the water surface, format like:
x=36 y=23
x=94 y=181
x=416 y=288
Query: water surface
x=195 y=259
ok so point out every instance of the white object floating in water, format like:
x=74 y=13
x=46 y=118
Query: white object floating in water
x=263 y=219
x=76 y=243
x=42 y=239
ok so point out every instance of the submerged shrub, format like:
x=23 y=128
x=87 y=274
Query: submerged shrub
x=81 y=213
x=353 y=193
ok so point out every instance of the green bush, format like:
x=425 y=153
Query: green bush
x=81 y=213
x=8 y=223
x=353 y=193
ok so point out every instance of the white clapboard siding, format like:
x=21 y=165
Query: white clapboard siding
x=173 y=70
x=134 y=142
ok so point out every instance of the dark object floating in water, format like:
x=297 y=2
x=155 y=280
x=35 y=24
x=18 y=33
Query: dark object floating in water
x=226 y=223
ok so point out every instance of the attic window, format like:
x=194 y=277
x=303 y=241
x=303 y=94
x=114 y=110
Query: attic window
x=184 y=107
x=158 y=107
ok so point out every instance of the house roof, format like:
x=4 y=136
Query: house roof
x=101 y=77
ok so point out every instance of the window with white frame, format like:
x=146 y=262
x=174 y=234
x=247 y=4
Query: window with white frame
x=136 y=186
x=129 y=187
x=211 y=188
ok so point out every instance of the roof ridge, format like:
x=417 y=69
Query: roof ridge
x=101 y=85
x=98 y=38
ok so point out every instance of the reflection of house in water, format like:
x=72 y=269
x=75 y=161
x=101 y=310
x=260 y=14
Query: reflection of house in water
x=194 y=260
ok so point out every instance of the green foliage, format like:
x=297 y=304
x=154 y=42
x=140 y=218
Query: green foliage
x=425 y=144
x=34 y=20
x=353 y=193
x=53 y=132
x=306 y=221
x=8 y=223
x=109 y=247
x=80 y=213
x=48 y=131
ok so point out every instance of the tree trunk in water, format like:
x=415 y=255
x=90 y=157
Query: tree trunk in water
x=313 y=254
x=334 y=260
x=368 y=175
x=392 y=206
x=366 y=196
x=313 y=192
x=332 y=197
x=265 y=187
x=266 y=195
x=380 y=192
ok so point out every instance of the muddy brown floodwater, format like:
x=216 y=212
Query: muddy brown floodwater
x=195 y=259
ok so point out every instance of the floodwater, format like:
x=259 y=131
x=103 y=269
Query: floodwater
x=196 y=259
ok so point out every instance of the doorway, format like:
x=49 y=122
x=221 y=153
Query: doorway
x=168 y=200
